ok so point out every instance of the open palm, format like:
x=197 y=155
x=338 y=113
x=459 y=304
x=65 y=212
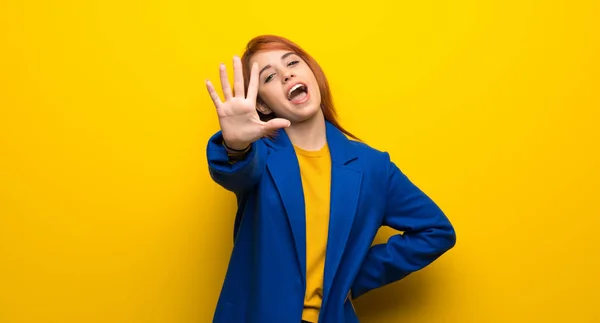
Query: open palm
x=238 y=118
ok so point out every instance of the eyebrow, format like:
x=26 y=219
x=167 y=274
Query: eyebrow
x=282 y=58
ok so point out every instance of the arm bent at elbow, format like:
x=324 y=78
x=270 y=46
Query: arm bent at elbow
x=427 y=235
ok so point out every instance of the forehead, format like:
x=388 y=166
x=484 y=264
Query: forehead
x=269 y=57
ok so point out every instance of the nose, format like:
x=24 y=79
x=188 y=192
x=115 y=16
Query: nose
x=288 y=76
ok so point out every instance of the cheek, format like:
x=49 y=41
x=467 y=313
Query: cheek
x=263 y=94
x=316 y=91
x=270 y=95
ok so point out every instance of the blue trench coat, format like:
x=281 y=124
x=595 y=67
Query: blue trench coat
x=265 y=280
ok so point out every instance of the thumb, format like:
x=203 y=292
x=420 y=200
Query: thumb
x=276 y=123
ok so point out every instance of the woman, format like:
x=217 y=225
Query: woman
x=310 y=200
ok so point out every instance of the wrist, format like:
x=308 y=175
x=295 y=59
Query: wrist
x=236 y=146
x=236 y=149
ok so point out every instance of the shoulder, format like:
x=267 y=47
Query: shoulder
x=373 y=161
x=369 y=153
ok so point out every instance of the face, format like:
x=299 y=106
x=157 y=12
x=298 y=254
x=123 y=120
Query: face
x=287 y=86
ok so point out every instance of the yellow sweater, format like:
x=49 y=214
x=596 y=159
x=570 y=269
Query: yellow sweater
x=315 y=170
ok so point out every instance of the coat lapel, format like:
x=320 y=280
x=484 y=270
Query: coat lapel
x=345 y=188
x=284 y=168
x=345 y=191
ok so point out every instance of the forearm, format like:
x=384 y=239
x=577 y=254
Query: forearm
x=235 y=170
x=402 y=255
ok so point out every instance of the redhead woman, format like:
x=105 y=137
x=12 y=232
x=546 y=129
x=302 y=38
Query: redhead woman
x=310 y=196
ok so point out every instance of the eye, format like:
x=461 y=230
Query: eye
x=269 y=77
x=293 y=63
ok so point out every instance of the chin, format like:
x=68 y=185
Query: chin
x=306 y=113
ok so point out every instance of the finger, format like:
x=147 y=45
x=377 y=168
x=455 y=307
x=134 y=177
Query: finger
x=253 y=85
x=238 y=77
x=213 y=94
x=225 y=82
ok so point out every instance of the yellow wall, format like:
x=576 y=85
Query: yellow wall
x=107 y=212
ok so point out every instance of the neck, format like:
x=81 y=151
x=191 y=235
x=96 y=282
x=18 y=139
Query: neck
x=309 y=134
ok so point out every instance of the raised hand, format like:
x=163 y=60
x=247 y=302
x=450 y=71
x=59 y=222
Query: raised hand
x=238 y=118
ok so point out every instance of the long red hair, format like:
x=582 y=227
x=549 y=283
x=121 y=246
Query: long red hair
x=273 y=42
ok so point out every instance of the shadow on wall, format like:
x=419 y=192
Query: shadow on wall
x=397 y=301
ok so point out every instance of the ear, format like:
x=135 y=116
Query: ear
x=262 y=107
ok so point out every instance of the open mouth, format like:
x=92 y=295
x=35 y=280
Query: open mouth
x=298 y=93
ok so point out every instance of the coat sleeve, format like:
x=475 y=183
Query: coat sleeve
x=238 y=176
x=427 y=234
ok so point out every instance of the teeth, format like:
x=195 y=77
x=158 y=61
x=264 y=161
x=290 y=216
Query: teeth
x=294 y=88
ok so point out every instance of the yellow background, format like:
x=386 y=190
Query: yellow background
x=108 y=214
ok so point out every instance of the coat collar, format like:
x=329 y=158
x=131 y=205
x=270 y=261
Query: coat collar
x=341 y=149
x=345 y=188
